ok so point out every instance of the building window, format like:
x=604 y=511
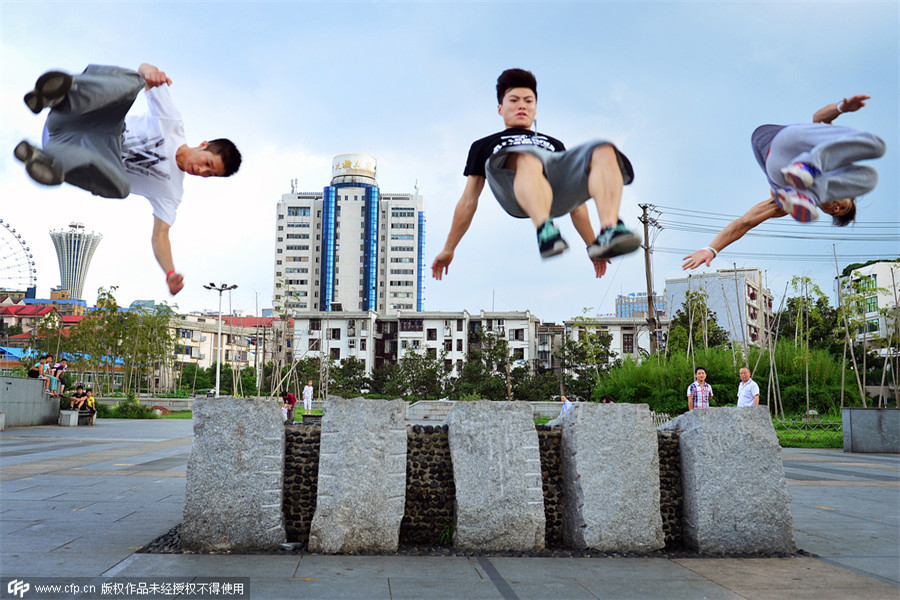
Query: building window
x=298 y=211
x=459 y=343
x=335 y=333
x=872 y=304
x=431 y=334
x=362 y=344
x=336 y=353
x=628 y=343
x=448 y=345
x=314 y=343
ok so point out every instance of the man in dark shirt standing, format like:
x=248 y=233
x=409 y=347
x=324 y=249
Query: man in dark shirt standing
x=533 y=176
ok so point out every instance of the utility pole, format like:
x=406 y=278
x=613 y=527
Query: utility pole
x=651 y=310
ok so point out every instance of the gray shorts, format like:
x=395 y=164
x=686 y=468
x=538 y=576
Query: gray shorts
x=567 y=172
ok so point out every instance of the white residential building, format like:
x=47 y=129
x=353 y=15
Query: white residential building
x=377 y=339
x=742 y=304
x=879 y=283
x=350 y=247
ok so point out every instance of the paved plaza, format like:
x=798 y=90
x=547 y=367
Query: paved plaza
x=78 y=502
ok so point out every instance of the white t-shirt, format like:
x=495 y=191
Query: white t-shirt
x=746 y=393
x=148 y=150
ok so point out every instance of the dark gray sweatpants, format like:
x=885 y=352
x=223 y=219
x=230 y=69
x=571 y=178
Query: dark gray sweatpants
x=84 y=131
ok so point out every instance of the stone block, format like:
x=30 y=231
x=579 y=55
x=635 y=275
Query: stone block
x=871 y=430
x=610 y=463
x=736 y=497
x=235 y=474
x=362 y=476
x=497 y=472
x=68 y=418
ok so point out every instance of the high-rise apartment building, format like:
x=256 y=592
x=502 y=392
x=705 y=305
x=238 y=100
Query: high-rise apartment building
x=74 y=250
x=350 y=247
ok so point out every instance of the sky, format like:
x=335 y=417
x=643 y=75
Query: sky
x=677 y=86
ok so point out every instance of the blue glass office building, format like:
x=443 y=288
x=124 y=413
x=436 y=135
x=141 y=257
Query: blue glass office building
x=351 y=246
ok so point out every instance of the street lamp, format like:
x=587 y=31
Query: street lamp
x=220 y=289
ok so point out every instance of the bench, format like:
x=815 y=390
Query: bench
x=72 y=418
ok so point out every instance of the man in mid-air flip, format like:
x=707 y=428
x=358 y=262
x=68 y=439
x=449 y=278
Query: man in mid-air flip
x=89 y=142
x=533 y=176
x=810 y=168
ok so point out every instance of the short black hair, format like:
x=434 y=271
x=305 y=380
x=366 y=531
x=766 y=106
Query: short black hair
x=79 y=387
x=231 y=156
x=699 y=368
x=515 y=78
x=846 y=218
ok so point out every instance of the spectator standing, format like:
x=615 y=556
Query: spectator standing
x=307 y=398
x=748 y=391
x=699 y=392
x=567 y=404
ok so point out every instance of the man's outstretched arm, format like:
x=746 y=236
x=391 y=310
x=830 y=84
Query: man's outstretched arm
x=581 y=219
x=829 y=113
x=153 y=77
x=162 y=249
x=767 y=209
x=462 y=218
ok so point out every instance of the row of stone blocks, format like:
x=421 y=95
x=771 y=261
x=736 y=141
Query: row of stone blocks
x=735 y=495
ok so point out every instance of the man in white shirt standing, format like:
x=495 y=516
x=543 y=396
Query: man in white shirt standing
x=748 y=391
x=89 y=142
x=307 y=398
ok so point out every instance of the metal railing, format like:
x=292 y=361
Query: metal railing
x=812 y=431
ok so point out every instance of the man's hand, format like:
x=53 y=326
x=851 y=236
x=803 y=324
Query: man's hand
x=700 y=257
x=599 y=266
x=441 y=264
x=854 y=103
x=175 y=282
x=153 y=77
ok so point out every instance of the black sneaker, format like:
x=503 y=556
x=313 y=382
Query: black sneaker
x=549 y=240
x=49 y=90
x=614 y=241
x=42 y=168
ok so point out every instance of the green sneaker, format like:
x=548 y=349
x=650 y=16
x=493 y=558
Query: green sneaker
x=614 y=241
x=549 y=240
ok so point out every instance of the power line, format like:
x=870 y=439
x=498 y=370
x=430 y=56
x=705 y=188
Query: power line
x=805 y=257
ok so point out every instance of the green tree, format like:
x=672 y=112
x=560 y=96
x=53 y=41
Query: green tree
x=483 y=373
x=348 y=378
x=695 y=326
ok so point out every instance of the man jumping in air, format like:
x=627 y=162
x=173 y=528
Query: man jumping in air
x=533 y=176
x=89 y=142
x=810 y=168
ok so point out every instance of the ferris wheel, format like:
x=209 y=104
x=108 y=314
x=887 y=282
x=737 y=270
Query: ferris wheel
x=17 y=268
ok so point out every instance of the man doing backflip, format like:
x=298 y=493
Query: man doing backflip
x=89 y=142
x=810 y=168
x=533 y=176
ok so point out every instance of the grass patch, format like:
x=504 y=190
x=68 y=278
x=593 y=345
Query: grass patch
x=826 y=432
x=179 y=414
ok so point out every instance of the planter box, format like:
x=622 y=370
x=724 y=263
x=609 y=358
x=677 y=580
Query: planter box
x=871 y=429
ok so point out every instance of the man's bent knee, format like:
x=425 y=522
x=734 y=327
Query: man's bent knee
x=516 y=161
x=604 y=154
